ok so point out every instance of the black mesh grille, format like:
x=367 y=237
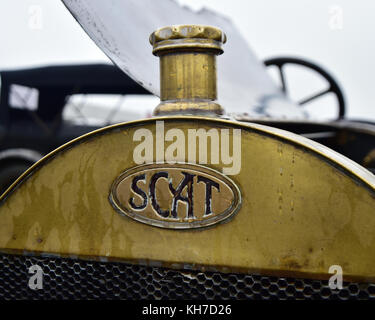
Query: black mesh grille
x=79 y=279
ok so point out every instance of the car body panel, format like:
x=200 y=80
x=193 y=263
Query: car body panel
x=304 y=207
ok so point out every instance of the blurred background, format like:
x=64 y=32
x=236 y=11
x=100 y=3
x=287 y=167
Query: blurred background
x=337 y=35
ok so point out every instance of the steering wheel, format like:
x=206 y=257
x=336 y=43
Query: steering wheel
x=332 y=84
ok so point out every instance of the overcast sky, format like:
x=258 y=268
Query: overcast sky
x=338 y=35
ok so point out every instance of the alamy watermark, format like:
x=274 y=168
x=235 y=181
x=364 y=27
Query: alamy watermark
x=36 y=280
x=35 y=17
x=335 y=281
x=336 y=17
x=213 y=146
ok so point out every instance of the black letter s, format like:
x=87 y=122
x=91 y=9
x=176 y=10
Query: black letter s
x=138 y=191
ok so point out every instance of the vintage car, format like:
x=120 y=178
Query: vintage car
x=192 y=204
x=38 y=111
x=188 y=204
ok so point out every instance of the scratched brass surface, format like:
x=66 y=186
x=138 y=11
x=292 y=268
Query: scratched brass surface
x=304 y=208
x=185 y=33
x=188 y=69
x=179 y=68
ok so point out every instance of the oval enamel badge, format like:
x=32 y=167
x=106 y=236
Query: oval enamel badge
x=175 y=196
